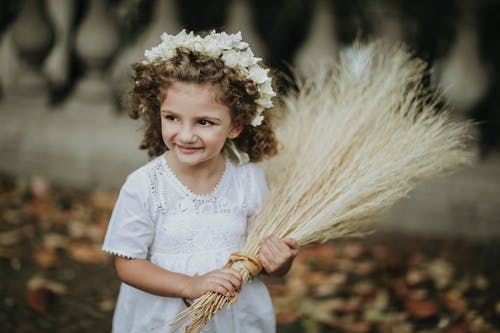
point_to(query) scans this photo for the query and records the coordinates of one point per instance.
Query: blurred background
(67, 144)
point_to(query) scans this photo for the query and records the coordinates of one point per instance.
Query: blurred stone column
(97, 40)
(33, 37)
(164, 19)
(58, 63)
(321, 43)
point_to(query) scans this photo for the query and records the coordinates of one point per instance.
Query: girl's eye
(169, 117)
(205, 122)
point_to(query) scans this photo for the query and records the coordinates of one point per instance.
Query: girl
(178, 218)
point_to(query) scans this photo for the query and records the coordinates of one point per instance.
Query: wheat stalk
(357, 137)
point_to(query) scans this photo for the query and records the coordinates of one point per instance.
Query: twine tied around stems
(250, 262)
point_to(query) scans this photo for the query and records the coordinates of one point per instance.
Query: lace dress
(157, 218)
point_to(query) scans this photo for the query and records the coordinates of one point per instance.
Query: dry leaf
(441, 272)
(45, 258)
(55, 241)
(107, 304)
(40, 188)
(453, 299)
(481, 282)
(104, 200)
(11, 237)
(353, 251)
(87, 253)
(416, 276)
(421, 309)
(288, 317)
(320, 312)
(39, 299)
(356, 327)
(39, 282)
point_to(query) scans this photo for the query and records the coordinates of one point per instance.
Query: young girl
(178, 218)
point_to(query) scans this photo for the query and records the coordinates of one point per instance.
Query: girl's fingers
(263, 260)
(223, 286)
(291, 243)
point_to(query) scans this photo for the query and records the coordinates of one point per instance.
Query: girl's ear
(235, 131)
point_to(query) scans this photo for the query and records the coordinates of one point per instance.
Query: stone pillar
(32, 37)
(321, 42)
(239, 19)
(164, 20)
(97, 40)
(57, 65)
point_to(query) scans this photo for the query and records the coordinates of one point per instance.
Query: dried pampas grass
(357, 137)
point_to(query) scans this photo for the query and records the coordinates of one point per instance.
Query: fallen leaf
(318, 311)
(45, 258)
(102, 199)
(363, 288)
(356, 327)
(288, 317)
(458, 328)
(55, 241)
(40, 188)
(11, 237)
(416, 276)
(353, 250)
(481, 282)
(39, 282)
(8, 254)
(454, 301)
(441, 272)
(87, 253)
(421, 309)
(107, 305)
(39, 299)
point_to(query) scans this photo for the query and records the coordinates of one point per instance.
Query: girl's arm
(277, 255)
(146, 276)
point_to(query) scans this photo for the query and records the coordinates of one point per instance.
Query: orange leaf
(421, 309)
(87, 253)
(46, 258)
(39, 299)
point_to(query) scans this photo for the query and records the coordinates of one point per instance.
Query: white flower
(258, 74)
(231, 49)
(231, 58)
(257, 120)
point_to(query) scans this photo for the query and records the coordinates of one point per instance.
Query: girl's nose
(186, 134)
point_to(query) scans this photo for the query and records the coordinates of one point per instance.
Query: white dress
(157, 218)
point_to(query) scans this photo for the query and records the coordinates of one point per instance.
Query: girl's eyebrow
(202, 116)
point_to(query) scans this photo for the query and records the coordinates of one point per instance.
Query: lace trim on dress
(118, 254)
(216, 192)
(171, 196)
(156, 178)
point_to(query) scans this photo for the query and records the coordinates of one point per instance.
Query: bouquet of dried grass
(356, 138)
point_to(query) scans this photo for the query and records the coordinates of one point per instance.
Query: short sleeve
(131, 228)
(258, 190)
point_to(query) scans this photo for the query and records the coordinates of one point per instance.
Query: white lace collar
(185, 191)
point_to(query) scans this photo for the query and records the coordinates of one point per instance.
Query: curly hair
(237, 93)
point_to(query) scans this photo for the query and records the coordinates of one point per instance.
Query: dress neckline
(186, 191)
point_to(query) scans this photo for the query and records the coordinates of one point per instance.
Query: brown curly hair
(237, 93)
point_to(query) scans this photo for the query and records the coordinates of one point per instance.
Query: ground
(54, 278)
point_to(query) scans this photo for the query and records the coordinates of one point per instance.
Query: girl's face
(194, 125)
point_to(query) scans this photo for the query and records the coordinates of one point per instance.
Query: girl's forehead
(182, 96)
(208, 90)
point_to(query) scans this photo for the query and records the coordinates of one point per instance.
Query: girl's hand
(225, 281)
(277, 255)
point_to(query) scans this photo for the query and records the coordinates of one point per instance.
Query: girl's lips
(187, 150)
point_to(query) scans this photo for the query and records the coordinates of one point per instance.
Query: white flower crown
(231, 49)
